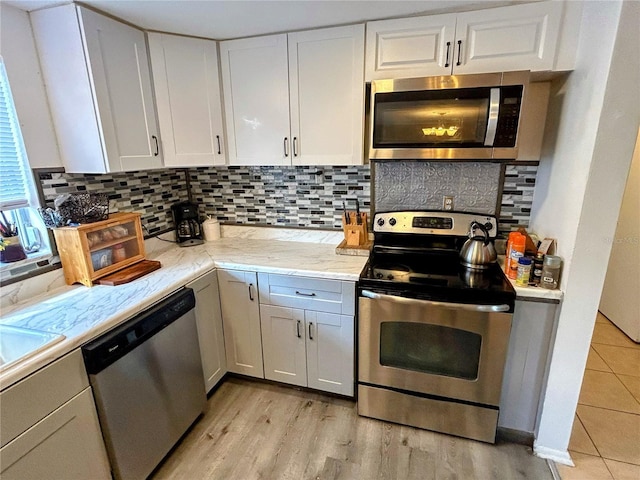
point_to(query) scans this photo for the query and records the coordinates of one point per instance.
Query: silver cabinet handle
(414, 301)
(310, 327)
(305, 294)
(298, 328)
(295, 143)
(250, 292)
(459, 52)
(286, 148)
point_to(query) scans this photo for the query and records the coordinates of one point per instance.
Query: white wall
(596, 113)
(18, 50)
(620, 301)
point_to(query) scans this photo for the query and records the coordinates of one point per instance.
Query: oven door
(456, 351)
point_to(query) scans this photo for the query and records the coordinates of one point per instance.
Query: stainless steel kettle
(478, 252)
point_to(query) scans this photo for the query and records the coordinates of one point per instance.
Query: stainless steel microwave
(447, 117)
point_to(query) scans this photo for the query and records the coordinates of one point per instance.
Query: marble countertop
(81, 314)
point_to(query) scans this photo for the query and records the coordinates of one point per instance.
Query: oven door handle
(414, 301)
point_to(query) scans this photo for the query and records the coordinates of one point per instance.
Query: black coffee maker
(188, 230)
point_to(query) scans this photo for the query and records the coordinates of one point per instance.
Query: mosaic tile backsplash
(150, 193)
(287, 196)
(308, 196)
(517, 197)
(422, 186)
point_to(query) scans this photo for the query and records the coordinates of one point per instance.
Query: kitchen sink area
(18, 344)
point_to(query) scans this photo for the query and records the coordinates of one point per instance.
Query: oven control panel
(432, 223)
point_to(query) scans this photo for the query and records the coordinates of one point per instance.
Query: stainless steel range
(433, 335)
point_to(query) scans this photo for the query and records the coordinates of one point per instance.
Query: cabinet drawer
(332, 296)
(28, 401)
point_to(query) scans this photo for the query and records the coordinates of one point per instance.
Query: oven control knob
(380, 222)
(392, 221)
(488, 226)
(389, 277)
(379, 275)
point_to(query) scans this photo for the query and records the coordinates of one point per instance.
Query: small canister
(536, 275)
(211, 228)
(524, 271)
(550, 272)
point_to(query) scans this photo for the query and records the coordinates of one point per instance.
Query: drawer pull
(305, 294)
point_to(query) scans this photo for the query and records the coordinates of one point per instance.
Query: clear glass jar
(550, 272)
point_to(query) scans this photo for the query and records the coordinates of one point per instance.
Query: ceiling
(224, 19)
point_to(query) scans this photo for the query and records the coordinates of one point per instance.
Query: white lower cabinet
(241, 322)
(307, 348)
(50, 426)
(210, 333)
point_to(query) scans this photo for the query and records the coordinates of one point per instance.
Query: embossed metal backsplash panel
(280, 196)
(422, 186)
(150, 193)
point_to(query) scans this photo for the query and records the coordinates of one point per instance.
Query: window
(17, 190)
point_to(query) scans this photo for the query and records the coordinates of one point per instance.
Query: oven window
(433, 349)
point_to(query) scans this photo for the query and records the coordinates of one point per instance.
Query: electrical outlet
(447, 202)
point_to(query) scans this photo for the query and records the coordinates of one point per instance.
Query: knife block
(355, 234)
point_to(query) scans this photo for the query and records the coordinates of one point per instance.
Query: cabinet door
(210, 333)
(283, 344)
(119, 67)
(241, 322)
(327, 96)
(330, 347)
(65, 444)
(520, 37)
(187, 87)
(410, 47)
(256, 100)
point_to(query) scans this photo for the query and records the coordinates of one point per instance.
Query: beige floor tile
(595, 362)
(616, 435)
(623, 471)
(580, 441)
(587, 467)
(609, 334)
(600, 318)
(604, 390)
(632, 383)
(620, 359)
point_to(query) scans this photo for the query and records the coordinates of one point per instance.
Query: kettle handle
(482, 228)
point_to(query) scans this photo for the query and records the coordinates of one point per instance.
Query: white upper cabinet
(98, 82)
(295, 99)
(519, 37)
(327, 96)
(410, 47)
(187, 86)
(256, 98)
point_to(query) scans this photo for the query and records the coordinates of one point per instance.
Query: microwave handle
(494, 110)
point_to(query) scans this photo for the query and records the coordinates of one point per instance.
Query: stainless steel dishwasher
(147, 381)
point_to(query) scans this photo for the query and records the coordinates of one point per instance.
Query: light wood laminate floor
(256, 430)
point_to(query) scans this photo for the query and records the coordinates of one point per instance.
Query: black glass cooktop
(434, 275)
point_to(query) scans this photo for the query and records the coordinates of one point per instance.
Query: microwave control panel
(508, 116)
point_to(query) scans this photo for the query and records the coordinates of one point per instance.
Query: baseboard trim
(553, 468)
(560, 456)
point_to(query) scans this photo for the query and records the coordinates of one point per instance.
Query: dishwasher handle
(98, 354)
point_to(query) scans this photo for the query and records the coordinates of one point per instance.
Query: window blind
(14, 169)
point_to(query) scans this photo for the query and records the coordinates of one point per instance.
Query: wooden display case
(94, 250)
